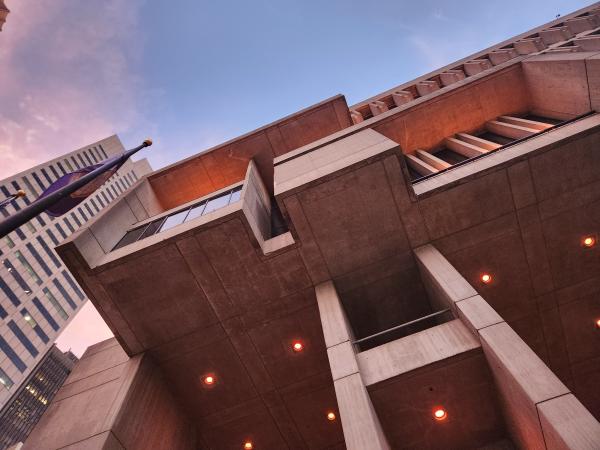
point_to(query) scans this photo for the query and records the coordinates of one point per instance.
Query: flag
(69, 202)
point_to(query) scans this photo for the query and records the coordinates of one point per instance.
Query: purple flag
(70, 202)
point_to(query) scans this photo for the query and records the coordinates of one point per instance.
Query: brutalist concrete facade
(433, 281)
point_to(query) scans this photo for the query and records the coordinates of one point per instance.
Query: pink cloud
(69, 77)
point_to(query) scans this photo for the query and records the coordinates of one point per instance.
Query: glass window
(5, 380)
(82, 161)
(87, 158)
(93, 155)
(105, 197)
(52, 299)
(89, 210)
(61, 231)
(152, 228)
(75, 219)
(46, 176)
(173, 220)
(18, 278)
(7, 194)
(60, 166)
(94, 205)
(217, 203)
(54, 172)
(110, 194)
(69, 166)
(82, 214)
(73, 284)
(52, 237)
(196, 211)
(26, 197)
(76, 163)
(38, 181)
(64, 293)
(103, 152)
(123, 184)
(7, 349)
(44, 312)
(22, 338)
(28, 267)
(68, 224)
(30, 227)
(100, 201)
(130, 236)
(48, 251)
(33, 324)
(235, 195)
(9, 241)
(39, 259)
(10, 294)
(115, 191)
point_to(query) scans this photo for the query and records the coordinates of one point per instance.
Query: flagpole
(14, 221)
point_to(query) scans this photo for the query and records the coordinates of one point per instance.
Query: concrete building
(434, 285)
(24, 410)
(38, 295)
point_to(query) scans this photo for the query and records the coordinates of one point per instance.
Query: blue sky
(192, 74)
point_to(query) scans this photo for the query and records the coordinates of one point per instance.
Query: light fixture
(248, 445)
(209, 380)
(598, 323)
(440, 414)
(486, 278)
(298, 346)
(27, 317)
(331, 416)
(588, 241)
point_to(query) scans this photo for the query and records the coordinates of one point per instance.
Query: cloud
(69, 77)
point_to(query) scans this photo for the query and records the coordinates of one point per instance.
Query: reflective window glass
(52, 299)
(235, 195)
(28, 267)
(5, 380)
(130, 236)
(173, 220)
(152, 228)
(196, 211)
(217, 203)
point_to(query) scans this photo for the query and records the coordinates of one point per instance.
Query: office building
(24, 410)
(420, 270)
(38, 295)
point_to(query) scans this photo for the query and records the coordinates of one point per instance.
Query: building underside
(420, 270)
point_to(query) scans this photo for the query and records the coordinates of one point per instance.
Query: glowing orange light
(440, 414)
(298, 347)
(486, 278)
(598, 324)
(331, 416)
(589, 241)
(248, 445)
(209, 379)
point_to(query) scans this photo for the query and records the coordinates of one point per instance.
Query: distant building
(23, 411)
(38, 295)
(435, 283)
(3, 13)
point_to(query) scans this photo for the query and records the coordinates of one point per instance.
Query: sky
(194, 73)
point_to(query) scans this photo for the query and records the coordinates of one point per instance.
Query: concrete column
(360, 423)
(113, 402)
(540, 411)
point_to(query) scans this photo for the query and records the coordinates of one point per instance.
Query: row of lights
(297, 346)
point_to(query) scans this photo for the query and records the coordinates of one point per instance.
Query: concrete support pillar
(540, 411)
(360, 423)
(113, 402)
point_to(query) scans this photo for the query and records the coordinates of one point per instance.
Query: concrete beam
(477, 66)
(420, 166)
(377, 107)
(402, 97)
(533, 124)
(452, 76)
(530, 45)
(356, 117)
(555, 34)
(427, 87)
(432, 160)
(362, 428)
(502, 55)
(580, 24)
(509, 130)
(478, 142)
(464, 148)
(589, 43)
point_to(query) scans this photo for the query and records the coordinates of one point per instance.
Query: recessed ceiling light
(588, 241)
(209, 380)
(331, 416)
(598, 324)
(486, 278)
(440, 414)
(248, 445)
(298, 346)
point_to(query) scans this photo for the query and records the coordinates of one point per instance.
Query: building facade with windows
(22, 413)
(38, 295)
(420, 270)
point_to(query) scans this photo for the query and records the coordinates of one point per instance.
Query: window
(28, 267)
(69, 166)
(75, 219)
(173, 220)
(38, 181)
(89, 210)
(60, 166)
(105, 197)
(100, 201)
(54, 172)
(110, 194)
(114, 190)
(17, 187)
(46, 176)
(82, 214)
(87, 158)
(10, 294)
(44, 312)
(48, 251)
(32, 191)
(75, 162)
(130, 237)
(5, 380)
(68, 224)
(52, 237)
(30, 227)
(236, 195)
(64, 293)
(73, 284)
(52, 299)
(28, 318)
(7, 349)
(216, 203)
(103, 152)
(18, 278)
(196, 211)
(94, 205)
(22, 338)
(61, 231)
(93, 155)
(82, 161)
(9, 241)
(38, 258)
